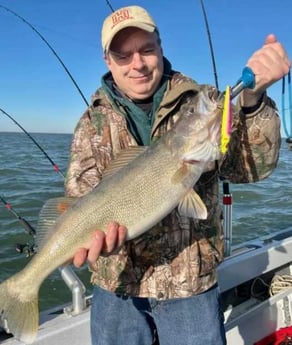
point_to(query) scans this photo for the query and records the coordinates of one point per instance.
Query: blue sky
(36, 91)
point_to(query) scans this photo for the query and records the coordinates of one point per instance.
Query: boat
(256, 288)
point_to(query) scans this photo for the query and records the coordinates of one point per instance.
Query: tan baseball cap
(125, 17)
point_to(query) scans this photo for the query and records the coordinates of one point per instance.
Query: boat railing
(78, 291)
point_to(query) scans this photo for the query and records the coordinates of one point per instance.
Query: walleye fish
(138, 196)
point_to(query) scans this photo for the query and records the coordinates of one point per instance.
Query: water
(27, 180)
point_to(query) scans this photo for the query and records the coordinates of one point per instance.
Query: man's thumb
(270, 39)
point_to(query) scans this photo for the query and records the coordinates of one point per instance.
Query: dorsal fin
(49, 213)
(123, 158)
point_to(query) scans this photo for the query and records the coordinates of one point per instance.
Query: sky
(37, 92)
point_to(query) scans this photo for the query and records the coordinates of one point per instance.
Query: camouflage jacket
(177, 257)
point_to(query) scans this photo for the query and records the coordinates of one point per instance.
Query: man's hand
(269, 64)
(102, 244)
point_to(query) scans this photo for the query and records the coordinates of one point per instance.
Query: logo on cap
(120, 16)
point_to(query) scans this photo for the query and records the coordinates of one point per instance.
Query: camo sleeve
(84, 169)
(254, 146)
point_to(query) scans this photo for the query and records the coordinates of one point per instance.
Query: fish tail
(19, 313)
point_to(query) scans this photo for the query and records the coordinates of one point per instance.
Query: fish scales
(137, 197)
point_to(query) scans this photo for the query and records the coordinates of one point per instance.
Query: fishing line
(51, 48)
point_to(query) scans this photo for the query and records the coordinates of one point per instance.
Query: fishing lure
(247, 80)
(226, 120)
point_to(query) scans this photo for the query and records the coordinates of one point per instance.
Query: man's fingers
(96, 246)
(111, 238)
(102, 243)
(80, 257)
(115, 237)
(122, 235)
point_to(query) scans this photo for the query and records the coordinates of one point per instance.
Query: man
(162, 285)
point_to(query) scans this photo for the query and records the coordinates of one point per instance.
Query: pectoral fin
(192, 206)
(180, 174)
(48, 216)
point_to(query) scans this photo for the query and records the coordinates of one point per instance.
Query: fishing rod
(210, 44)
(55, 166)
(31, 231)
(51, 49)
(284, 108)
(28, 227)
(227, 196)
(288, 135)
(8, 206)
(110, 6)
(28, 248)
(290, 100)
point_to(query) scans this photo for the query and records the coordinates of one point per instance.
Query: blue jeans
(121, 320)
